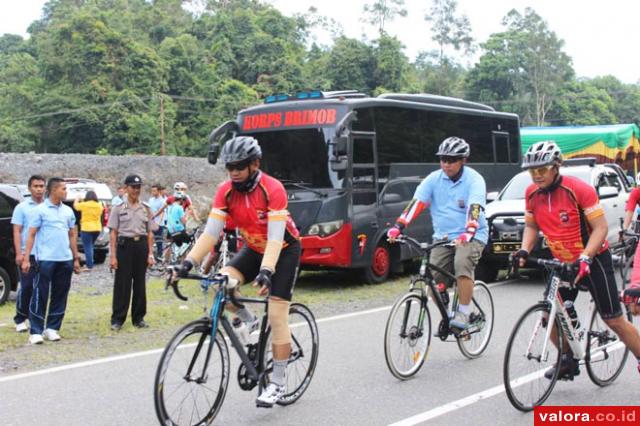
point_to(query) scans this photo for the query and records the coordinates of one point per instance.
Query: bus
(351, 163)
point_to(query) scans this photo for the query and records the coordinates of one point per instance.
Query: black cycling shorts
(179, 238)
(248, 262)
(602, 286)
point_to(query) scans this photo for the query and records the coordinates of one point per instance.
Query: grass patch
(86, 328)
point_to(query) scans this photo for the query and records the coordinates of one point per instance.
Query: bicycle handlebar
(217, 278)
(425, 247)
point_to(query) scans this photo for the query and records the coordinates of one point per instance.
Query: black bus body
(351, 163)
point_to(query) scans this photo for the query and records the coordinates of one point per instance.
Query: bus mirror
(339, 164)
(216, 134)
(214, 149)
(340, 146)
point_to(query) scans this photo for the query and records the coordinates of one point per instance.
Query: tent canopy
(610, 141)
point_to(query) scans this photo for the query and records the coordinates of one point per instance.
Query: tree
(626, 98)
(581, 103)
(523, 67)
(379, 12)
(351, 65)
(390, 63)
(448, 28)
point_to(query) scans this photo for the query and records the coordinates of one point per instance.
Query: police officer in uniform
(131, 252)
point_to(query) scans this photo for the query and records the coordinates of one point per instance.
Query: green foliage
(524, 66)
(112, 76)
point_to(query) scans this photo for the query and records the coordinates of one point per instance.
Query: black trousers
(132, 268)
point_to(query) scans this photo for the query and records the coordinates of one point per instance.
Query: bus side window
(501, 147)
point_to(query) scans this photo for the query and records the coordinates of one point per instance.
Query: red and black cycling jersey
(561, 213)
(252, 211)
(634, 200)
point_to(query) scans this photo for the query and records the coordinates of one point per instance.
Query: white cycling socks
(465, 309)
(279, 371)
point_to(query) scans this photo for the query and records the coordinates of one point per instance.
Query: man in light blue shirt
(119, 198)
(53, 229)
(156, 202)
(22, 215)
(456, 195)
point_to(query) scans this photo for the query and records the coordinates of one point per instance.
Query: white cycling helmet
(180, 186)
(540, 154)
(453, 147)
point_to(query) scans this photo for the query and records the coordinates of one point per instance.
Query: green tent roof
(578, 139)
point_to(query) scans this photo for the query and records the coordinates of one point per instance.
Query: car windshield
(517, 186)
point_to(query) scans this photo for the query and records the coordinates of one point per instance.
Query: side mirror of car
(607, 191)
(391, 198)
(492, 196)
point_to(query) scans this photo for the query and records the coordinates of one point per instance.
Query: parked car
(505, 215)
(9, 198)
(79, 187)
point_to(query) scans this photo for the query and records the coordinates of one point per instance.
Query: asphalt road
(352, 385)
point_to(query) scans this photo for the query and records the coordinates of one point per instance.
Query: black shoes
(116, 326)
(141, 324)
(569, 368)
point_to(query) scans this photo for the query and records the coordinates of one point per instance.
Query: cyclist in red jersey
(568, 212)
(257, 203)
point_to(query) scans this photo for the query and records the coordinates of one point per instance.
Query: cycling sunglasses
(540, 171)
(239, 166)
(450, 160)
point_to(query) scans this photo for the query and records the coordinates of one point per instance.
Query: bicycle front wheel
(607, 352)
(526, 359)
(185, 392)
(473, 341)
(407, 336)
(304, 353)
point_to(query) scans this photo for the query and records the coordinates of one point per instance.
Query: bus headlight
(325, 228)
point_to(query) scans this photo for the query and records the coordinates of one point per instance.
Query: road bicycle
(530, 353)
(173, 253)
(407, 336)
(193, 373)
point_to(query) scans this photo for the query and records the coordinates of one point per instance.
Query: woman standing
(90, 224)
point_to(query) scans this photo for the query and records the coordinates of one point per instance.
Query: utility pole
(162, 143)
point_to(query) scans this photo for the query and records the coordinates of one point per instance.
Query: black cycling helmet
(540, 154)
(453, 147)
(240, 148)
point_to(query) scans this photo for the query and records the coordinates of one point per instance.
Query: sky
(599, 36)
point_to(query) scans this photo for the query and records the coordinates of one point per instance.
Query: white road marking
(471, 399)
(157, 351)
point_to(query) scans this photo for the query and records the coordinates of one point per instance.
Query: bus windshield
(299, 156)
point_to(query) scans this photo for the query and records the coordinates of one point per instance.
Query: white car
(505, 214)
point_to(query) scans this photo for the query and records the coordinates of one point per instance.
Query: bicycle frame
(579, 345)
(426, 277)
(217, 317)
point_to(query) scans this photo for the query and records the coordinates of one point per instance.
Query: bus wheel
(378, 271)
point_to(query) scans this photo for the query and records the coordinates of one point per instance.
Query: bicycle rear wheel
(304, 353)
(407, 336)
(473, 341)
(185, 393)
(608, 353)
(525, 363)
